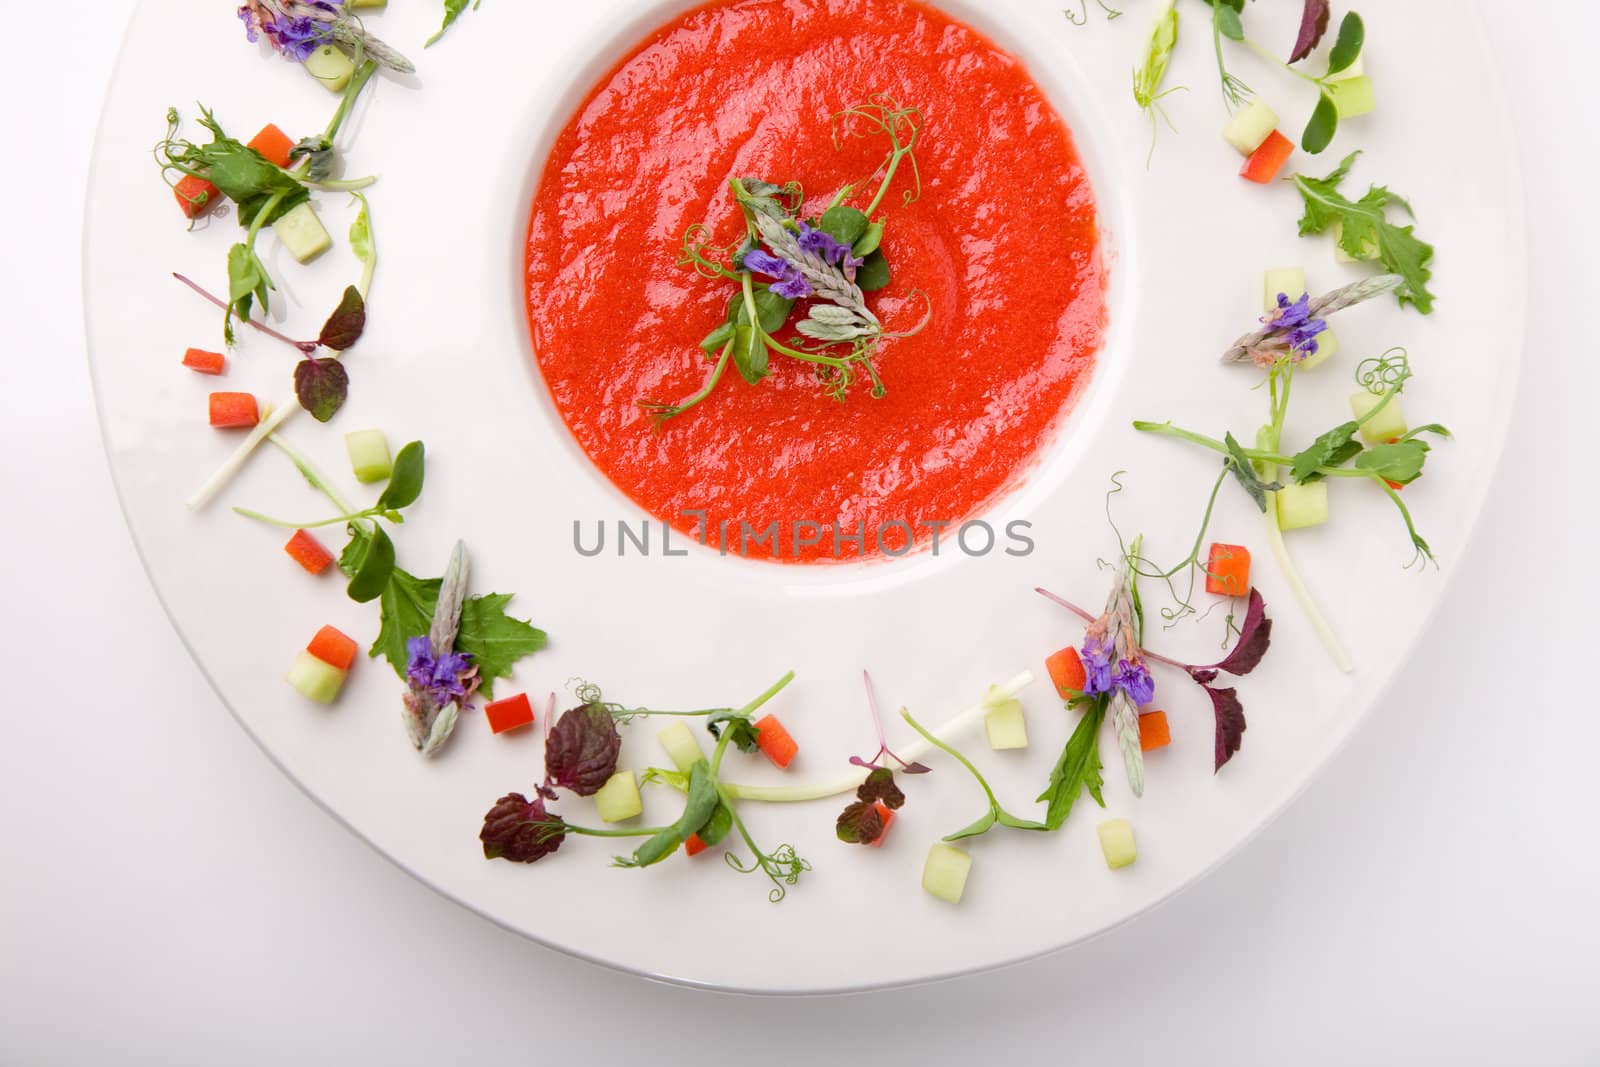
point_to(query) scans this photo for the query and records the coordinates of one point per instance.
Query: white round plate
(448, 360)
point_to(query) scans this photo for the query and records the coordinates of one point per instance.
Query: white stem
(217, 482)
(789, 794)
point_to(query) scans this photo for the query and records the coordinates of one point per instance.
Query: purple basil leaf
(859, 824)
(1230, 722)
(321, 386)
(520, 830)
(1255, 637)
(880, 786)
(348, 321)
(581, 752)
(1313, 24)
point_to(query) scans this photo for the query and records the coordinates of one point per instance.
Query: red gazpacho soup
(1000, 249)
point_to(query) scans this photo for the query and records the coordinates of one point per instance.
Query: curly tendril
(1387, 373)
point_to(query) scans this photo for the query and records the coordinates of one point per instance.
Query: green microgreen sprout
(1226, 22)
(1324, 122)
(996, 815)
(1335, 454)
(1081, 17)
(262, 192)
(1149, 74)
(832, 260)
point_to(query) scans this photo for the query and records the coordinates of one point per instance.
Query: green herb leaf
(750, 354)
(347, 323)
(1347, 47)
(742, 732)
(718, 339)
(452, 11)
(976, 829)
(844, 224)
(247, 283)
(716, 827)
(407, 603)
(870, 241)
(1229, 23)
(1245, 471)
(1323, 125)
(405, 481)
(873, 275)
(1399, 462)
(1333, 449)
(320, 155)
(1364, 224)
(495, 640)
(321, 386)
(361, 244)
(372, 575)
(1078, 769)
(772, 311)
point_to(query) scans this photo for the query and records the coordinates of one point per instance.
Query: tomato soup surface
(1002, 240)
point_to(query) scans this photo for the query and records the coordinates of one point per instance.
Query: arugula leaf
(1313, 24)
(452, 11)
(1078, 769)
(1333, 449)
(495, 640)
(1363, 224)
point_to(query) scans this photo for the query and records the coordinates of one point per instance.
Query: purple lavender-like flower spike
(1096, 656)
(821, 243)
(1135, 680)
(442, 679)
(788, 282)
(1294, 316)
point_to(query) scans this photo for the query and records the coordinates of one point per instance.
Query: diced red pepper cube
(195, 196)
(308, 552)
(203, 362)
(1228, 570)
(888, 818)
(509, 714)
(1268, 160)
(1154, 731)
(334, 648)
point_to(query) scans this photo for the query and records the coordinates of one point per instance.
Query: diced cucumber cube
(1327, 348)
(1354, 96)
(369, 455)
(1290, 281)
(1302, 506)
(945, 873)
(1250, 128)
(302, 234)
(315, 680)
(1006, 726)
(1116, 841)
(331, 67)
(1354, 70)
(681, 746)
(619, 798)
(1369, 247)
(1386, 425)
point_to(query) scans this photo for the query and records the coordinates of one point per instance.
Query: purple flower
(1096, 658)
(789, 283)
(252, 27)
(1134, 679)
(446, 679)
(293, 36)
(1295, 318)
(822, 244)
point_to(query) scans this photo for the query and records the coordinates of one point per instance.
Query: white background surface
(168, 897)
